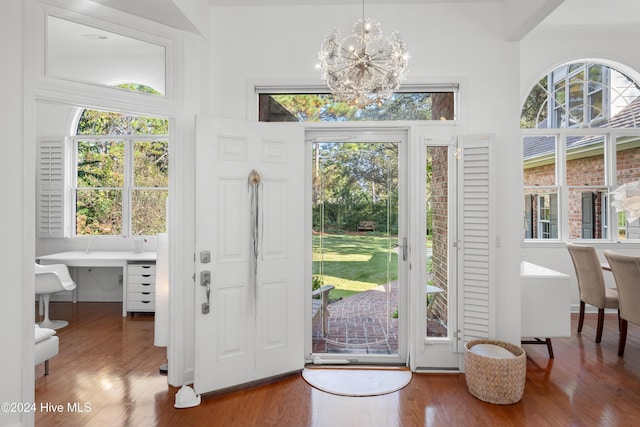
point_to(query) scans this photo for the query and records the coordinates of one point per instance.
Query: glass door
(433, 292)
(359, 249)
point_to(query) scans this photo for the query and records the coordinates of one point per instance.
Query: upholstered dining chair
(626, 272)
(51, 279)
(591, 285)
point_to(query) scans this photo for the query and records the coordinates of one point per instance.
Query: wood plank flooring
(109, 363)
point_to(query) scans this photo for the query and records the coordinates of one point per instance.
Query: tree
(534, 110)
(316, 107)
(101, 174)
(355, 182)
(400, 106)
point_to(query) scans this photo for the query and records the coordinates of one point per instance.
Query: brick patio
(362, 324)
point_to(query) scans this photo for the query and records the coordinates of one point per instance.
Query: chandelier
(363, 68)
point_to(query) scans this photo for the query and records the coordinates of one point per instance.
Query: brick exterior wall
(440, 215)
(541, 175)
(588, 172)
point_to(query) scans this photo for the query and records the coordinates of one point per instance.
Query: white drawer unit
(141, 287)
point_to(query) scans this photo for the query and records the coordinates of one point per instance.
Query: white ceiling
(569, 13)
(588, 13)
(162, 11)
(326, 2)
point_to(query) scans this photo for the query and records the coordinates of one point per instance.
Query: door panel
(358, 229)
(434, 284)
(253, 329)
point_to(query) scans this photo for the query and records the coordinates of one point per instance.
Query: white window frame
(565, 82)
(129, 179)
(610, 139)
(265, 87)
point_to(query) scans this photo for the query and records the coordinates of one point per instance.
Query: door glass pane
(355, 228)
(437, 263)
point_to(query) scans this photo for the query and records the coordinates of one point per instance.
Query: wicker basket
(493, 379)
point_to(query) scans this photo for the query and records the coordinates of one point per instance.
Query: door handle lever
(206, 307)
(403, 246)
(205, 280)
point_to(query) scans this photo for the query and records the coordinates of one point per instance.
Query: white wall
(458, 43)
(193, 94)
(545, 49)
(16, 248)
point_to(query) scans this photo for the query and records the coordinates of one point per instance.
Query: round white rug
(357, 382)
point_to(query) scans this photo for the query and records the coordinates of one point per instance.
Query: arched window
(581, 128)
(582, 95)
(120, 174)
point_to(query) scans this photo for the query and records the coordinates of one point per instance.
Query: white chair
(591, 285)
(626, 270)
(51, 279)
(46, 346)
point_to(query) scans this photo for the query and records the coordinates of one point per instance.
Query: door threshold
(361, 367)
(319, 362)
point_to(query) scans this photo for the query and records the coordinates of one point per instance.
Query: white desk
(101, 259)
(546, 311)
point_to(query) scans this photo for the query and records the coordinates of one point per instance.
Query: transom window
(90, 54)
(438, 104)
(581, 135)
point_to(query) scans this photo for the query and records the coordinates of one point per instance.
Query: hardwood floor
(109, 363)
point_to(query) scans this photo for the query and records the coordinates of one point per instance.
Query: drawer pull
(146, 275)
(145, 284)
(146, 293)
(145, 302)
(146, 266)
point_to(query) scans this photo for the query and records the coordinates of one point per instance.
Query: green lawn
(354, 263)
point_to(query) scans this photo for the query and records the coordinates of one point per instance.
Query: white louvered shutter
(51, 187)
(475, 231)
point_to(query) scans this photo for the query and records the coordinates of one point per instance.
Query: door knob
(403, 246)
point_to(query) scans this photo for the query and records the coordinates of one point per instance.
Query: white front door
(250, 242)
